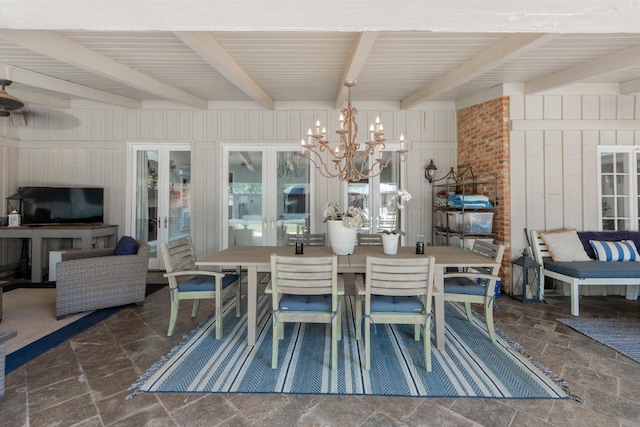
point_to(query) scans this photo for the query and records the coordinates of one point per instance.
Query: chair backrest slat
(491, 251)
(395, 276)
(178, 255)
(365, 239)
(319, 239)
(303, 275)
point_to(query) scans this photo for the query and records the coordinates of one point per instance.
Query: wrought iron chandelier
(346, 161)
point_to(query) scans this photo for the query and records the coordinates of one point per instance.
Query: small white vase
(390, 243)
(343, 239)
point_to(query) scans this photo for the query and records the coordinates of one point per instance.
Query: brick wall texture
(483, 143)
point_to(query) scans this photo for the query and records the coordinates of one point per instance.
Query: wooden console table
(86, 234)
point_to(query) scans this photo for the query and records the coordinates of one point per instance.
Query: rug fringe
(156, 366)
(561, 382)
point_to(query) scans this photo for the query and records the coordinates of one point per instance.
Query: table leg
(438, 308)
(36, 259)
(252, 303)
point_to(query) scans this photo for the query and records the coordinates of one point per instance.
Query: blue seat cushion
(396, 304)
(290, 302)
(463, 285)
(205, 283)
(596, 269)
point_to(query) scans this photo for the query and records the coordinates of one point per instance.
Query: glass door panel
(161, 205)
(292, 195)
(268, 195)
(146, 199)
(179, 195)
(245, 189)
(378, 195)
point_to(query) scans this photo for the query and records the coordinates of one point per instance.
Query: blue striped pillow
(623, 250)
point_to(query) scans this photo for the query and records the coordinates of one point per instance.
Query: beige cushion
(565, 245)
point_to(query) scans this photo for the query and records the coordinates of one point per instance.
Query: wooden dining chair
(476, 285)
(398, 291)
(305, 290)
(366, 239)
(319, 239)
(186, 282)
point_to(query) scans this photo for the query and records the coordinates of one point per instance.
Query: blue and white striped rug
(622, 335)
(471, 366)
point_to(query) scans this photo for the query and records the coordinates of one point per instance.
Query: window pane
(607, 185)
(606, 163)
(622, 185)
(608, 224)
(622, 160)
(622, 207)
(624, 224)
(607, 206)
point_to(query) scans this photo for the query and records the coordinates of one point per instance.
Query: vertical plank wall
(554, 142)
(88, 146)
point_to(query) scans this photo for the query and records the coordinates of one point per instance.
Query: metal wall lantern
(525, 278)
(14, 202)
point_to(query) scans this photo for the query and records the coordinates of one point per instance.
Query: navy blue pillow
(127, 245)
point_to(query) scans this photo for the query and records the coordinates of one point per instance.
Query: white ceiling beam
(30, 78)
(607, 64)
(362, 46)
(631, 87)
(62, 49)
(506, 49)
(567, 16)
(42, 99)
(208, 48)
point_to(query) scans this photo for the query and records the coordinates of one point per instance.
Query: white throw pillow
(565, 245)
(623, 250)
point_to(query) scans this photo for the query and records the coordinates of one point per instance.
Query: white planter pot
(390, 243)
(343, 239)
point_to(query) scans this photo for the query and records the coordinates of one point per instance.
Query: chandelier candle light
(349, 163)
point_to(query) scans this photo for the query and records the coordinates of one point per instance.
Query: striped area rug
(622, 335)
(471, 366)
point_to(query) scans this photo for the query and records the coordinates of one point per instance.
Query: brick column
(483, 142)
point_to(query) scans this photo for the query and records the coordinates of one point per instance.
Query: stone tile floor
(84, 381)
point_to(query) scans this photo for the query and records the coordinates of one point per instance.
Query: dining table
(257, 259)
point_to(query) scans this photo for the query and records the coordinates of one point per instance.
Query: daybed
(568, 256)
(98, 278)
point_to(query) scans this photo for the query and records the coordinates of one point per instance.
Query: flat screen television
(62, 205)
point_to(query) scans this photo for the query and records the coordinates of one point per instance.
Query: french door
(378, 198)
(160, 208)
(267, 194)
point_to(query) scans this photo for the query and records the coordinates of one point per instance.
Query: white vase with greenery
(342, 226)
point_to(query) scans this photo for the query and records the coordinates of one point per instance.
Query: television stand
(86, 234)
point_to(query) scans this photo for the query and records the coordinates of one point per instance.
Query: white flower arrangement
(403, 196)
(352, 218)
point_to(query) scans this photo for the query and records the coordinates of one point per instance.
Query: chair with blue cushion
(477, 285)
(186, 282)
(305, 290)
(398, 291)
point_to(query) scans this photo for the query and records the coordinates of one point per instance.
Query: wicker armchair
(95, 278)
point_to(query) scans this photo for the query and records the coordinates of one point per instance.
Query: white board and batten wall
(89, 146)
(554, 151)
(554, 140)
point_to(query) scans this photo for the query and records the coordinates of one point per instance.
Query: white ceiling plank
(362, 46)
(57, 85)
(64, 50)
(506, 49)
(205, 45)
(631, 87)
(606, 64)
